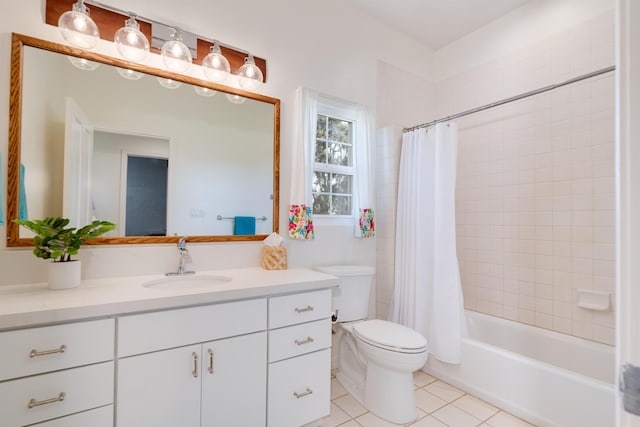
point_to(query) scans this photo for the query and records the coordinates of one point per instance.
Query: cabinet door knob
(34, 353)
(195, 365)
(33, 402)
(307, 341)
(210, 369)
(303, 309)
(307, 392)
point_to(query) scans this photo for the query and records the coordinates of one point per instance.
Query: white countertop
(35, 304)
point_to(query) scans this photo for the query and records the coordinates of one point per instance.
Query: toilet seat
(390, 336)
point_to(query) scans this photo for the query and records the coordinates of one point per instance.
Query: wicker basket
(274, 257)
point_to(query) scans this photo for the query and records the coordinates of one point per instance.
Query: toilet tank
(351, 297)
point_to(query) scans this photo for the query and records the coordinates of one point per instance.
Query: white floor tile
(427, 401)
(349, 405)
(452, 416)
(336, 389)
(476, 407)
(420, 379)
(370, 420)
(444, 391)
(351, 423)
(503, 419)
(337, 417)
(428, 421)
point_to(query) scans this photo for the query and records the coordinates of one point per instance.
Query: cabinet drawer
(100, 417)
(84, 388)
(299, 389)
(143, 333)
(299, 339)
(299, 308)
(33, 351)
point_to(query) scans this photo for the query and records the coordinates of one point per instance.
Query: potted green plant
(54, 240)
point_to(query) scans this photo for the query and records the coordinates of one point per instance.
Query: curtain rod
(513, 98)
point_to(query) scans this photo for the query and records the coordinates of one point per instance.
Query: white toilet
(376, 358)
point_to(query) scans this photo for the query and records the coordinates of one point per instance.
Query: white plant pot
(64, 275)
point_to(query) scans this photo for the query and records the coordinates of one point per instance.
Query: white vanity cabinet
(57, 371)
(195, 366)
(299, 358)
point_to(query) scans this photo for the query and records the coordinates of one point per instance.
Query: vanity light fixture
(204, 91)
(78, 28)
(169, 83)
(83, 64)
(175, 54)
(131, 43)
(235, 99)
(216, 67)
(129, 74)
(249, 75)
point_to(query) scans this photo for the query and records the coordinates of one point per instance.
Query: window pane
(321, 204)
(321, 131)
(340, 154)
(341, 183)
(341, 205)
(339, 130)
(320, 182)
(321, 151)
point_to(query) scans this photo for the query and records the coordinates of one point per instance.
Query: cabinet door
(160, 389)
(234, 381)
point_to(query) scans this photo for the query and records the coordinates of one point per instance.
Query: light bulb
(131, 43)
(83, 64)
(235, 99)
(129, 74)
(250, 76)
(204, 91)
(176, 55)
(169, 83)
(78, 28)
(216, 67)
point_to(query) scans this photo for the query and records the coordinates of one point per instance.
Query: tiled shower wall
(535, 195)
(535, 190)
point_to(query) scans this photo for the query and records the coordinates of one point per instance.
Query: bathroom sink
(187, 282)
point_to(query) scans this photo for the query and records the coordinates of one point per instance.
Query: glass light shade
(204, 91)
(169, 83)
(176, 55)
(131, 43)
(78, 28)
(83, 64)
(129, 74)
(250, 76)
(216, 67)
(235, 99)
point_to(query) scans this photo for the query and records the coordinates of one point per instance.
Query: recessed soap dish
(594, 300)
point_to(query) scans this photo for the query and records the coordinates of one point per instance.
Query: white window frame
(327, 107)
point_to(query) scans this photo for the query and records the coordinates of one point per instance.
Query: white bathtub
(547, 378)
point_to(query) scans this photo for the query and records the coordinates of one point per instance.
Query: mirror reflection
(157, 160)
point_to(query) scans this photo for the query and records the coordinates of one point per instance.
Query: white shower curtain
(427, 295)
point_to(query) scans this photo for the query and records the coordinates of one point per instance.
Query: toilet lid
(389, 335)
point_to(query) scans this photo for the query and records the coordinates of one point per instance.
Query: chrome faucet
(184, 257)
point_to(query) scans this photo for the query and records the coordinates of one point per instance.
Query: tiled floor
(439, 405)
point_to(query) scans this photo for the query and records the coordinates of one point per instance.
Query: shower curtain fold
(427, 294)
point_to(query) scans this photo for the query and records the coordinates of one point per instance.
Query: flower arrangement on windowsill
(54, 240)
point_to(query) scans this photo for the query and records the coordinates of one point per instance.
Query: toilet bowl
(376, 358)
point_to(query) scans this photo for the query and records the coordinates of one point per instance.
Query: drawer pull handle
(307, 392)
(59, 398)
(307, 341)
(195, 365)
(303, 309)
(210, 361)
(33, 353)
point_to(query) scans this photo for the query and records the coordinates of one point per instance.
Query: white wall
(326, 46)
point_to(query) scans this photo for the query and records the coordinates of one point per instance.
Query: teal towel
(244, 225)
(22, 210)
(1, 204)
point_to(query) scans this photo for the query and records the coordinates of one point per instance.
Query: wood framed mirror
(91, 145)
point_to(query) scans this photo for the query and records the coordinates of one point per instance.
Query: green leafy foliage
(54, 241)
